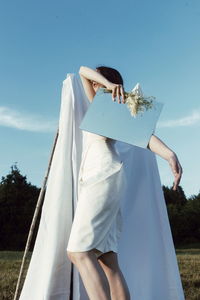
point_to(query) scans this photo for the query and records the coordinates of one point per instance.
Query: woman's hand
(117, 90)
(176, 169)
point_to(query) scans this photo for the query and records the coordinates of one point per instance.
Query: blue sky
(155, 43)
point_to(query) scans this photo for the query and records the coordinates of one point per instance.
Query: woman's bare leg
(118, 285)
(93, 276)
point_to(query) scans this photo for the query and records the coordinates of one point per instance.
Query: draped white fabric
(146, 251)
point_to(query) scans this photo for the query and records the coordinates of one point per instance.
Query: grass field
(189, 266)
(188, 260)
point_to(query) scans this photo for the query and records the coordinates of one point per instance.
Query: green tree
(174, 197)
(184, 216)
(192, 213)
(17, 204)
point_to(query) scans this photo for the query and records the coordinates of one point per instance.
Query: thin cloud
(192, 119)
(14, 119)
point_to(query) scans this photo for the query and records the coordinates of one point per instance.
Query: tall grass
(188, 261)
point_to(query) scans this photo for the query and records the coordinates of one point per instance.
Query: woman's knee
(77, 256)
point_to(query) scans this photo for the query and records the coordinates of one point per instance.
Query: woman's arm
(158, 147)
(89, 75)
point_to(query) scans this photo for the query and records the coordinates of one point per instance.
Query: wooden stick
(39, 202)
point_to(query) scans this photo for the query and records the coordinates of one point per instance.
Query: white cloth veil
(146, 251)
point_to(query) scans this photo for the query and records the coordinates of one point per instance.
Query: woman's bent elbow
(81, 69)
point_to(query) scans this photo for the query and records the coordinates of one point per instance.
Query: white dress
(97, 223)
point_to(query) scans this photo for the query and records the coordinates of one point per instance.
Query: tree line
(18, 200)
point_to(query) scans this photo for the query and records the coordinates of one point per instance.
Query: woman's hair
(111, 74)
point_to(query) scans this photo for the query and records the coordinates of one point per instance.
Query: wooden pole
(39, 202)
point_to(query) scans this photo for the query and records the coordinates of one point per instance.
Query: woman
(91, 245)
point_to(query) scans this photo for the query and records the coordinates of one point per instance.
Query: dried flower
(135, 101)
